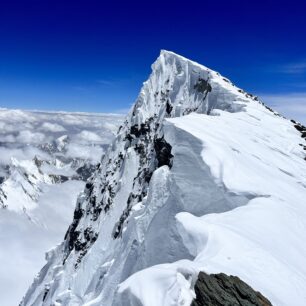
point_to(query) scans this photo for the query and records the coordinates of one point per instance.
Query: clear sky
(94, 55)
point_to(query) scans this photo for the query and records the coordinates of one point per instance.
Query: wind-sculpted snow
(255, 154)
(195, 158)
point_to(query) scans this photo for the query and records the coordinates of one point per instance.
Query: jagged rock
(163, 152)
(85, 171)
(203, 86)
(223, 290)
(57, 179)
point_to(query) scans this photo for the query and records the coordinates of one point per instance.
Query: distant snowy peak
(22, 180)
(25, 180)
(59, 145)
(139, 232)
(21, 189)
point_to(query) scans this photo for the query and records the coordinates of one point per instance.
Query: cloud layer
(294, 68)
(21, 133)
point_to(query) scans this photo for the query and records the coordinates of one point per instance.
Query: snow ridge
(128, 219)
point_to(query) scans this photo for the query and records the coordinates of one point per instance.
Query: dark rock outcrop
(203, 86)
(163, 152)
(301, 128)
(223, 290)
(85, 171)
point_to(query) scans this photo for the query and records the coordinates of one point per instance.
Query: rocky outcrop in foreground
(223, 290)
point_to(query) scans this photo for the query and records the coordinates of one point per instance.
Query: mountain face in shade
(201, 177)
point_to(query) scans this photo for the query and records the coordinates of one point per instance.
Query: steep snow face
(255, 154)
(44, 162)
(133, 240)
(178, 86)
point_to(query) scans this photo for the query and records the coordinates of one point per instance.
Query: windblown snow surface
(201, 177)
(41, 158)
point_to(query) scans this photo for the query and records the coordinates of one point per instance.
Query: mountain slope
(201, 177)
(42, 170)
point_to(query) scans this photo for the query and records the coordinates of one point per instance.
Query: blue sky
(94, 55)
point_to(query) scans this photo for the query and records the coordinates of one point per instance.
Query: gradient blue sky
(94, 55)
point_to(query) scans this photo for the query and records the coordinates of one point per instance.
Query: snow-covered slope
(44, 162)
(201, 177)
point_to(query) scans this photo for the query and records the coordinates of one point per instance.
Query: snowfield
(260, 242)
(26, 237)
(201, 177)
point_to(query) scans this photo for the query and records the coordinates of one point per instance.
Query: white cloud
(21, 132)
(52, 127)
(292, 106)
(30, 137)
(7, 138)
(93, 153)
(27, 152)
(294, 68)
(87, 136)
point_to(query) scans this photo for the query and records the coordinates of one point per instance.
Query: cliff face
(193, 145)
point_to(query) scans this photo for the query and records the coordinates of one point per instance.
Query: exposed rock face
(302, 129)
(223, 290)
(163, 152)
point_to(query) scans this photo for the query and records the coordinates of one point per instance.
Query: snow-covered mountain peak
(166, 54)
(61, 142)
(178, 86)
(140, 233)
